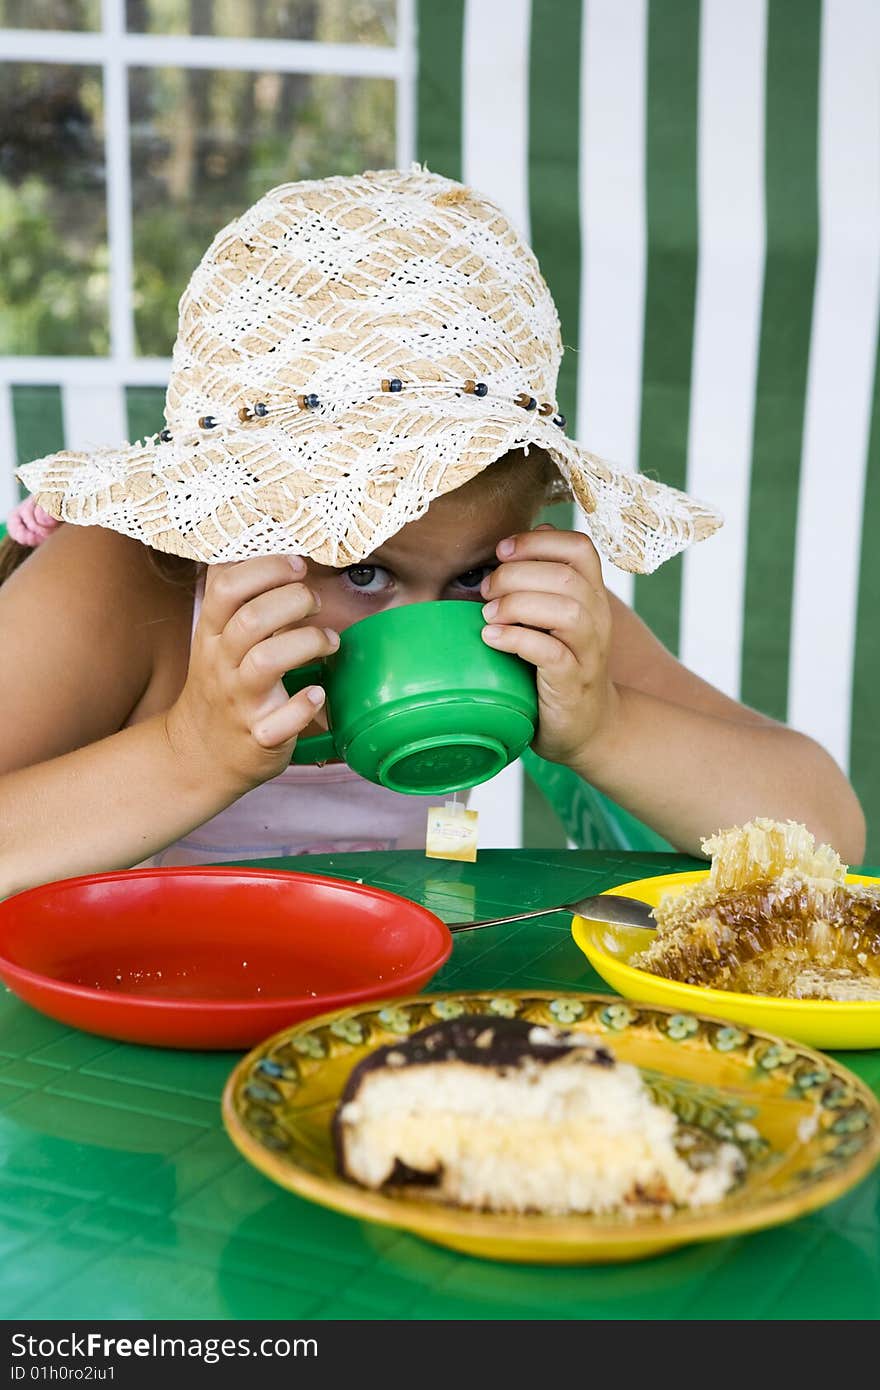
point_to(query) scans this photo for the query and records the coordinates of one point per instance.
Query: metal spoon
(603, 907)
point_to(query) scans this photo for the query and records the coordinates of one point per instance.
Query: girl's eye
(472, 579)
(370, 579)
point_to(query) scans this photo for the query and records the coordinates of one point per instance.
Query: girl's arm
(106, 806)
(622, 712)
(95, 639)
(688, 760)
(90, 633)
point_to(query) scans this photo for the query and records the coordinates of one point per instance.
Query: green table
(122, 1198)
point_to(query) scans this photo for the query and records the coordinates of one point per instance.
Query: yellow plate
(819, 1022)
(809, 1128)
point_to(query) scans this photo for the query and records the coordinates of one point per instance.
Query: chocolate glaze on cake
(480, 1040)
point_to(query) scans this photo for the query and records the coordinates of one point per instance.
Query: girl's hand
(233, 708)
(548, 604)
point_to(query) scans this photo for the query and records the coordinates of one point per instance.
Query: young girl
(361, 414)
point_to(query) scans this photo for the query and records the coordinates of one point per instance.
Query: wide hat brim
(335, 486)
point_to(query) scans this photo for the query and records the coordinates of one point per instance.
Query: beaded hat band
(349, 349)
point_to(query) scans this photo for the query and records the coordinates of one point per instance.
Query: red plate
(211, 957)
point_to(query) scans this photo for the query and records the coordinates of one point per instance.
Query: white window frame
(115, 50)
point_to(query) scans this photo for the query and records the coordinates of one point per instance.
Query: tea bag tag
(452, 832)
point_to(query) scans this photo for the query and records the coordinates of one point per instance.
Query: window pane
(53, 221)
(50, 14)
(208, 144)
(332, 21)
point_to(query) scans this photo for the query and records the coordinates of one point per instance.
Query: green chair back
(591, 820)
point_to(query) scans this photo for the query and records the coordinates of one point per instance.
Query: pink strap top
(305, 810)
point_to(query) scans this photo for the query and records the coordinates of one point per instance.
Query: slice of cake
(775, 916)
(505, 1115)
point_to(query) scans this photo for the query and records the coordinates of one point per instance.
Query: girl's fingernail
(491, 634)
(490, 609)
(297, 564)
(506, 548)
(315, 695)
(332, 636)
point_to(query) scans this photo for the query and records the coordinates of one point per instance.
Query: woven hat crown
(330, 286)
(349, 349)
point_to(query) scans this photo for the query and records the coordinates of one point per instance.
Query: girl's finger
(283, 607)
(288, 721)
(559, 614)
(228, 586)
(548, 576)
(264, 664)
(539, 649)
(564, 547)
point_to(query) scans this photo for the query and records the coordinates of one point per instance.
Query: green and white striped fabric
(700, 184)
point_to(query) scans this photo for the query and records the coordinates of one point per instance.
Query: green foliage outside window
(204, 145)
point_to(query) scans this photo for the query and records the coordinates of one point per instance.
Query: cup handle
(317, 748)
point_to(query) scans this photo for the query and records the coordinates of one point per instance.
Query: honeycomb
(775, 916)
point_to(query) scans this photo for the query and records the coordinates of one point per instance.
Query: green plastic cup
(416, 700)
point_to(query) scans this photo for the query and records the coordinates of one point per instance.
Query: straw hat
(349, 349)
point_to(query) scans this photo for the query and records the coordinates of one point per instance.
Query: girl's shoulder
(639, 660)
(90, 621)
(114, 578)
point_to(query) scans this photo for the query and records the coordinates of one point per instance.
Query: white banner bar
(93, 415)
(69, 371)
(495, 104)
(612, 207)
(8, 455)
(730, 282)
(202, 51)
(840, 379)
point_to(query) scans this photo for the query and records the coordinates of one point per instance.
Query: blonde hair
(518, 471)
